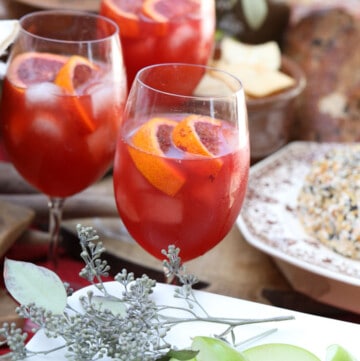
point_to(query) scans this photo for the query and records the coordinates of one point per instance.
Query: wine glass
(162, 31)
(62, 103)
(182, 158)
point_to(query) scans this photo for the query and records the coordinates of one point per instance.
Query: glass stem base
(55, 216)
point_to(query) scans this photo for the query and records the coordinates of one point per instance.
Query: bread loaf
(326, 45)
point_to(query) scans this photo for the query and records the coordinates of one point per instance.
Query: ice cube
(124, 203)
(180, 37)
(162, 209)
(99, 142)
(103, 96)
(42, 93)
(46, 124)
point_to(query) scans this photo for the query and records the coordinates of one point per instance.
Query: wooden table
(232, 268)
(12, 9)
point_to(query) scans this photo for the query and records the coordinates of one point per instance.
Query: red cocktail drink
(161, 31)
(182, 158)
(61, 142)
(167, 195)
(62, 104)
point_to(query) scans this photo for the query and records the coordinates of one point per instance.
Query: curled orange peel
(187, 138)
(65, 78)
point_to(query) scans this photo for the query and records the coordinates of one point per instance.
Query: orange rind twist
(75, 71)
(197, 134)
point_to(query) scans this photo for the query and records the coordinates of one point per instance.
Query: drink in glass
(182, 159)
(160, 31)
(62, 103)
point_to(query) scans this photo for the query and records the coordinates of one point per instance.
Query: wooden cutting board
(14, 220)
(7, 310)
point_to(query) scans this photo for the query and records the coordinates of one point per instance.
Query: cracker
(257, 66)
(267, 55)
(258, 82)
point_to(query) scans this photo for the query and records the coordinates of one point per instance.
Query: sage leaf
(255, 12)
(28, 283)
(179, 355)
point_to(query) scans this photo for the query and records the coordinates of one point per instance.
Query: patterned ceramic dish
(269, 222)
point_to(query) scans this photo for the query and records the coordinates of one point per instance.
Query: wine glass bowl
(182, 158)
(62, 103)
(162, 31)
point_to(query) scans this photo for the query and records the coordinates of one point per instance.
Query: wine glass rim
(76, 13)
(239, 87)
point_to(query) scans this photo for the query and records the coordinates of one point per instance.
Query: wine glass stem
(55, 211)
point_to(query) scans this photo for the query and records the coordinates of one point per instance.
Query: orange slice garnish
(200, 135)
(76, 71)
(150, 9)
(32, 68)
(125, 14)
(163, 10)
(151, 142)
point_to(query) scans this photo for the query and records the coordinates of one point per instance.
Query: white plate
(85, 5)
(311, 332)
(268, 221)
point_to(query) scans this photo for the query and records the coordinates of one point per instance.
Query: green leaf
(179, 355)
(28, 283)
(255, 12)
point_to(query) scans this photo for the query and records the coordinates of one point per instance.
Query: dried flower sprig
(131, 327)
